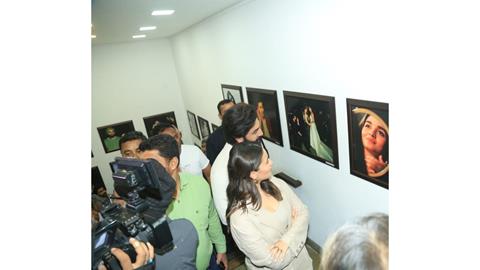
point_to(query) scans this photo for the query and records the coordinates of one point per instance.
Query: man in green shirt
(111, 141)
(192, 199)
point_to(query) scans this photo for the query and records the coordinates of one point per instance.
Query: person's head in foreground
(362, 245)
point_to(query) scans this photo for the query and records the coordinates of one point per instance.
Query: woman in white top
(268, 221)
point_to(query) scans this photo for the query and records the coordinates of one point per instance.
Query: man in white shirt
(192, 159)
(240, 123)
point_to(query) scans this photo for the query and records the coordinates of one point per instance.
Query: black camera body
(148, 190)
(106, 238)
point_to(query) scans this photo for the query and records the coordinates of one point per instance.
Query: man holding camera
(192, 199)
(184, 234)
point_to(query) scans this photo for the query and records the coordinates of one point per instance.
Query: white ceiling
(116, 21)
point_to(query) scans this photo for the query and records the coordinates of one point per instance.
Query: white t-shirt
(219, 182)
(192, 160)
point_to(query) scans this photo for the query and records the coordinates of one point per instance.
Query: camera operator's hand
(145, 254)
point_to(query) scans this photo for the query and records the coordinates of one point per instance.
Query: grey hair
(362, 245)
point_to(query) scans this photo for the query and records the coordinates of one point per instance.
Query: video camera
(148, 190)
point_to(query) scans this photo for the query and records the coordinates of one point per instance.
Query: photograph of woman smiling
(371, 149)
(268, 221)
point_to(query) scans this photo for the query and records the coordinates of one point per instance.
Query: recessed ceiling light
(94, 36)
(147, 28)
(163, 12)
(139, 36)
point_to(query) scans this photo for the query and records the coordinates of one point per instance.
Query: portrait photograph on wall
(214, 127)
(232, 92)
(265, 101)
(151, 121)
(368, 140)
(193, 124)
(312, 126)
(110, 134)
(204, 127)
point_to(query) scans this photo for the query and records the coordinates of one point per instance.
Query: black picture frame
(214, 127)
(272, 130)
(193, 124)
(232, 92)
(320, 143)
(368, 125)
(151, 121)
(111, 145)
(204, 127)
(111, 166)
(97, 181)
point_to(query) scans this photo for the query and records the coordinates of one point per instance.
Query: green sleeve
(215, 229)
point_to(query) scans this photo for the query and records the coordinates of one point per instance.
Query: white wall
(131, 81)
(333, 48)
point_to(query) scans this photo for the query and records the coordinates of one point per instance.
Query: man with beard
(112, 140)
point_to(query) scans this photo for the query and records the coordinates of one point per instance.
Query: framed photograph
(204, 127)
(232, 92)
(152, 121)
(111, 166)
(368, 137)
(193, 124)
(110, 134)
(267, 112)
(312, 126)
(98, 186)
(214, 127)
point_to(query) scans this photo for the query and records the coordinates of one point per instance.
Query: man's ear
(220, 116)
(239, 140)
(173, 163)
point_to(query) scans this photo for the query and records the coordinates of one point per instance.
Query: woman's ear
(254, 175)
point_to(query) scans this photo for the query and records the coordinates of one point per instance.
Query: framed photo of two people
(368, 139)
(312, 126)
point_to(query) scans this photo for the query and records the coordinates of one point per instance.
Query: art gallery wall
(334, 48)
(131, 81)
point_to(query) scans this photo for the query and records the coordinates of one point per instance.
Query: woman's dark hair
(238, 120)
(244, 158)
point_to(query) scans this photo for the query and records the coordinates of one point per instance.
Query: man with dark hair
(362, 245)
(216, 140)
(129, 144)
(111, 141)
(192, 199)
(129, 147)
(240, 123)
(192, 159)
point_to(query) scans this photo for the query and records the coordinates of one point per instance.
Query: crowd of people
(226, 201)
